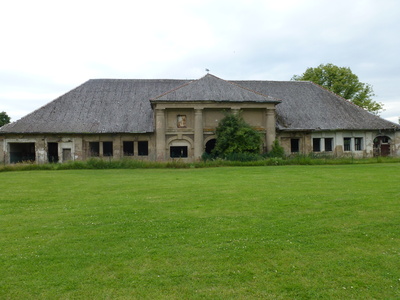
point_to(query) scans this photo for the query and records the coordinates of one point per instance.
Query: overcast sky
(49, 47)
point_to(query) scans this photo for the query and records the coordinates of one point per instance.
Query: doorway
(52, 152)
(210, 145)
(382, 146)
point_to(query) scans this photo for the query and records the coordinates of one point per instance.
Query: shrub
(234, 135)
(277, 150)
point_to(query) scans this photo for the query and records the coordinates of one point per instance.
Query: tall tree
(343, 82)
(4, 118)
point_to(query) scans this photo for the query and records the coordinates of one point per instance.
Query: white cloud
(49, 47)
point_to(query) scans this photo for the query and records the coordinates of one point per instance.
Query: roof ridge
(230, 83)
(174, 89)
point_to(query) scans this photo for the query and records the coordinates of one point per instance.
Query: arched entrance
(210, 145)
(382, 146)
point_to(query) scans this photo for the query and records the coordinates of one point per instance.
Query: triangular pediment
(212, 88)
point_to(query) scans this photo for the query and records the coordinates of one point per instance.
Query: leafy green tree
(4, 118)
(234, 135)
(343, 82)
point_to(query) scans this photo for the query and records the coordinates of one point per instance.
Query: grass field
(291, 232)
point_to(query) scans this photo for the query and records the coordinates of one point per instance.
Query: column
(270, 128)
(160, 134)
(198, 134)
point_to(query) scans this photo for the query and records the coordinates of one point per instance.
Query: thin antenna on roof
(207, 70)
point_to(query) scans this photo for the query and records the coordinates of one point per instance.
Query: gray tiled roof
(212, 88)
(308, 106)
(98, 106)
(123, 105)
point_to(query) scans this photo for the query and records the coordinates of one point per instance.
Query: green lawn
(291, 232)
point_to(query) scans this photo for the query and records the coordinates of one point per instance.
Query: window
(143, 148)
(294, 145)
(316, 144)
(328, 144)
(94, 148)
(22, 152)
(358, 143)
(181, 121)
(178, 151)
(107, 148)
(347, 144)
(128, 148)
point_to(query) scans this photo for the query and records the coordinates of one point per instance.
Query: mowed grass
(291, 232)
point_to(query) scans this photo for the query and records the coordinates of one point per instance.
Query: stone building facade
(161, 120)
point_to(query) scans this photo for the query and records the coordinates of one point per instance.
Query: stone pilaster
(270, 128)
(198, 134)
(160, 134)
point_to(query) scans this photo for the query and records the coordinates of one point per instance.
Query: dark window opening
(52, 152)
(178, 151)
(347, 144)
(210, 145)
(22, 152)
(316, 144)
(128, 148)
(294, 145)
(358, 144)
(108, 149)
(94, 148)
(328, 144)
(143, 148)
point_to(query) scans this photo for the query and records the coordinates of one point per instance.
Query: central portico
(186, 117)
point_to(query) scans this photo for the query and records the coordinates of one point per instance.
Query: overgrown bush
(277, 150)
(234, 135)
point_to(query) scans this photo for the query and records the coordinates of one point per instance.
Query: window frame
(108, 149)
(182, 149)
(358, 144)
(126, 150)
(328, 142)
(347, 144)
(91, 148)
(143, 148)
(316, 144)
(295, 145)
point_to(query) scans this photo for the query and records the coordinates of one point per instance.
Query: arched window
(210, 145)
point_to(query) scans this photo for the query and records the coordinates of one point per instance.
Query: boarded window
(316, 144)
(178, 151)
(66, 154)
(358, 144)
(294, 145)
(128, 148)
(107, 148)
(347, 144)
(143, 148)
(94, 149)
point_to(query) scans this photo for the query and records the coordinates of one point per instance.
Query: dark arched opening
(210, 145)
